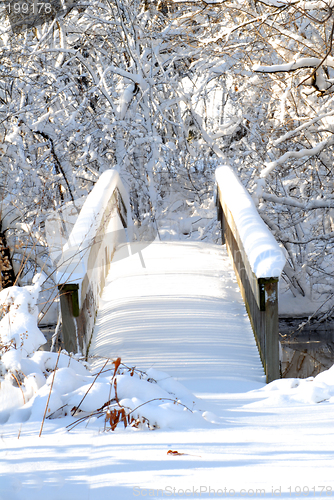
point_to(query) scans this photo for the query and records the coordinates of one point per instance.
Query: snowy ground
(234, 435)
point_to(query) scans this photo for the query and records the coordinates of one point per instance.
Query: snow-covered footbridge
(174, 306)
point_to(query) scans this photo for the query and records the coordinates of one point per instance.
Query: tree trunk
(7, 275)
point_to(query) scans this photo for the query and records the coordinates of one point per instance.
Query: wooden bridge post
(271, 330)
(69, 311)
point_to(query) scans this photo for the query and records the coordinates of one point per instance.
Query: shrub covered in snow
(19, 333)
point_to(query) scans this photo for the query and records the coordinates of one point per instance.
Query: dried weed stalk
(113, 412)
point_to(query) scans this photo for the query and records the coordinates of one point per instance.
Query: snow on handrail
(73, 263)
(87, 255)
(265, 256)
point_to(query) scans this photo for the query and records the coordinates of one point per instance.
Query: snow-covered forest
(164, 91)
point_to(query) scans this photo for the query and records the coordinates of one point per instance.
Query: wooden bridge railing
(86, 258)
(257, 261)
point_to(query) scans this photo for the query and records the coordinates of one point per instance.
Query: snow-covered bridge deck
(182, 313)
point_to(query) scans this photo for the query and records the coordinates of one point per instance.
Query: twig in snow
(47, 403)
(91, 385)
(20, 386)
(100, 413)
(55, 335)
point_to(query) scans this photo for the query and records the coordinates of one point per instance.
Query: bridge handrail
(257, 260)
(86, 258)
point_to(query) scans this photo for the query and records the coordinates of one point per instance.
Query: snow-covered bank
(282, 450)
